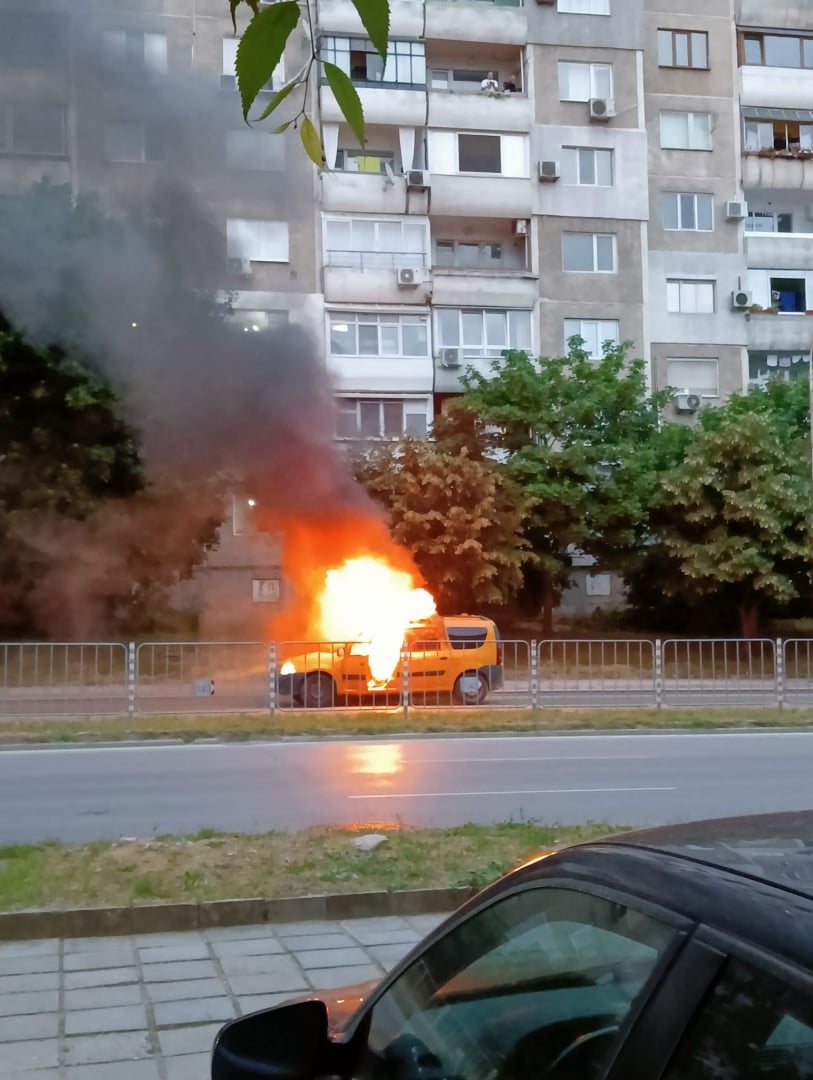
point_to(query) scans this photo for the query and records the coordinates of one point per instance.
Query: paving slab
(148, 1007)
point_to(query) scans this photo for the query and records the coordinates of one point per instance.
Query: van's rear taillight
(499, 652)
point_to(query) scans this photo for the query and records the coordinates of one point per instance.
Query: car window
(463, 637)
(535, 985)
(751, 1025)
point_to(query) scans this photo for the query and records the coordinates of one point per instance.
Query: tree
(734, 517)
(458, 514)
(579, 440)
(263, 43)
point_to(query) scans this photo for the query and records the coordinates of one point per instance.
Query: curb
(159, 918)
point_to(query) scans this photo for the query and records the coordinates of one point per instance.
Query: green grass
(276, 864)
(243, 726)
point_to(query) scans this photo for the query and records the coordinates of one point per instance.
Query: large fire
(367, 600)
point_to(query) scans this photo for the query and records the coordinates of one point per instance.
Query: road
(82, 794)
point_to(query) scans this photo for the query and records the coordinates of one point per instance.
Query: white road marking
(538, 791)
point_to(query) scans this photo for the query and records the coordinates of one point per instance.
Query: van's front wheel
(318, 690)
(465, 691)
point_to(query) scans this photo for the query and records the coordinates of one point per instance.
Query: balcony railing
(376, 260)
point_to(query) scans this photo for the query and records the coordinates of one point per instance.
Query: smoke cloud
(207, 398)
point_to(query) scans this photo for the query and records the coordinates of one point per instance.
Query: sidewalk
(148, 1007)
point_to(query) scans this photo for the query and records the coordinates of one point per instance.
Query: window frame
(228, 74)
(381, 402)
(595, 357)
(478, 135)
(259, 222)
(759, 36)
(267, 138)
(112, 60)
(578, 151)
(483, 351)
(701, 393)
(680, 283)
(497, 266)
(379, 319)
(383, 259)
(679, 196)
(8, 143)
(398, 50)
(595, 236)
(593, 67)
(690, 118)
(148, 140)
(578, 7)
(674, 33)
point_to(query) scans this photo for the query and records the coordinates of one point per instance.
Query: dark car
(683, 953)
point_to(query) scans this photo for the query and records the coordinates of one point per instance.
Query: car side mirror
(289, 1042)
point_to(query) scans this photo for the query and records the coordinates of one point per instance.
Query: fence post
(534, 672)
(272, 678)
(658, 673)
(779, 671)
(405, 680)
(131, 679)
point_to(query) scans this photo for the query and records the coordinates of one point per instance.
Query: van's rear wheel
(318, 690)
(465, 692)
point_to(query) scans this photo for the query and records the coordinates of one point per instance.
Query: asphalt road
(81, 794)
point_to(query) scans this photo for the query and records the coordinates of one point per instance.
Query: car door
(544, 982)
(429, 658)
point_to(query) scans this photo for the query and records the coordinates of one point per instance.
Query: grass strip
(210, 865)
(243, 726)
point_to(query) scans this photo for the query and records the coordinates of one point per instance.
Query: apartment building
(534, 169)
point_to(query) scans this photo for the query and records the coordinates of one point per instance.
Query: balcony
(500, 22)
(481, 196)
(457, 287)
(381, 375)
(780, 333)
(776, 87)
(373, 277)
(505, 112)
(382, 105)
(778, 170)
(785, 251)
(340, 16)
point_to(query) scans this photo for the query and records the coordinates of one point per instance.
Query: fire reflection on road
(380, 762)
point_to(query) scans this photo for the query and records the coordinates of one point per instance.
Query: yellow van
(452, 659)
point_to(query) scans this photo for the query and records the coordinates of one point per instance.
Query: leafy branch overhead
(263, 44)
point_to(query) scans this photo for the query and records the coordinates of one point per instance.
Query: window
(131, 52)
(247, 149)
(777, 50)
(689, 297)
(537, 975)
(480, 256)
(33, 38)
(683, 48)
(595, 334)
(265, 590)
(587, 167)
(357, 57)
(372, 244)
(483, 333)
(359, 334)
(696, 376)
(228, 78)
(32, 129)
(584, 7)
(751, 1025)
(479, 153)
(129, 141)
(255, 322)
(257, 241)
(593, 253)
(467, 80)
(685, 131)
(361, 419)
(581, 82)
(365, 161)
(687, 211)
(777, 134)
(768, 221)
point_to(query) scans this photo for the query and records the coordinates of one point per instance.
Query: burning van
(449, 659)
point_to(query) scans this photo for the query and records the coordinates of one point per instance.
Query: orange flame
(368, 601)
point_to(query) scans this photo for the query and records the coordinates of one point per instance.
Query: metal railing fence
(81, 679)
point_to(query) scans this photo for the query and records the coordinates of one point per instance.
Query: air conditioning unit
(418, 180)
(240, 266)
(548, 171)
(686, 402)
(736, 210)
(409, 277)
(450, 358)
(522, 227)
(740, 300)
(600, 108)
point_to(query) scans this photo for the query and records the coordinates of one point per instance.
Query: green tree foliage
(458, 514)
(579, 440)
(263, 43)
(733, 518)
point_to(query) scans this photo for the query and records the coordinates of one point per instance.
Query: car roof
(747, 877)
